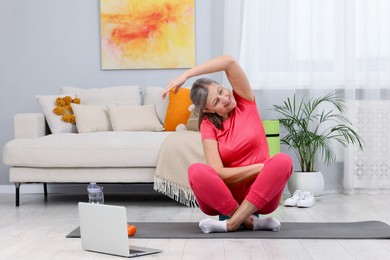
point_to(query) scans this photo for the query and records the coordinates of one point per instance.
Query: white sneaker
(307, 200)
(293, 201)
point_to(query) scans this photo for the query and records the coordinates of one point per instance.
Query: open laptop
(103, 229)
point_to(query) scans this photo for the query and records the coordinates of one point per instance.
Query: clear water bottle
(95, 193)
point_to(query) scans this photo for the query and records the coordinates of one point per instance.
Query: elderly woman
(239, 179)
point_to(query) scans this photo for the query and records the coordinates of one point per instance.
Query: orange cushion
(177, 112)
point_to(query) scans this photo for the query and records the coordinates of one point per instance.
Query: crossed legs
(242, 201)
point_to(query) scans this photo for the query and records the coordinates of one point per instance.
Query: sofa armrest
(30, 125)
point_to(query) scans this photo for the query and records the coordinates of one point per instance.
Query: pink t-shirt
(242, 140)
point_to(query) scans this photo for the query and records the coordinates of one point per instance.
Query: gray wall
(46, 44)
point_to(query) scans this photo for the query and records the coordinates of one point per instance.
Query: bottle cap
(93, 188)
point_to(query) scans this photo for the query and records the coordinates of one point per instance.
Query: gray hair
(198, 95)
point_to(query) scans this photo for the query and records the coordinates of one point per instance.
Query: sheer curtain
(313, 47)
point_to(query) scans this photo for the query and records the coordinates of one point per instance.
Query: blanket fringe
(175, 191)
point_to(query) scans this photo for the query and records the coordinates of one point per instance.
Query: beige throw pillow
(192, 123)
(134, 118)
(91, 118)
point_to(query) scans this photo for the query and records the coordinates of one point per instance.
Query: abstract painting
(147, 34)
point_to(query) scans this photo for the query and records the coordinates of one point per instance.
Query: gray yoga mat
(289, 230)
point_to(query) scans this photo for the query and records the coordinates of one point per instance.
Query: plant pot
(306, 181)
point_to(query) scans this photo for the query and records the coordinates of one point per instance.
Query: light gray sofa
(38, 156)
(105, 157)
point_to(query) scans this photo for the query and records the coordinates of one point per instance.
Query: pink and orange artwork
(147, 34)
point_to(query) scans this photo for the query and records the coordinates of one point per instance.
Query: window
(315, 43)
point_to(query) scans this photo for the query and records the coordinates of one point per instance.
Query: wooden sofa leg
(45, 189)
(17, 193)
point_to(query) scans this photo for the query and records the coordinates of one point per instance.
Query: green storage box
(272, 131)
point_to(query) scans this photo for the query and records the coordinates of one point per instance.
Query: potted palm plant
(312, 126)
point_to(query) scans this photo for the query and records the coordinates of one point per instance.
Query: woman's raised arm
(233, 70)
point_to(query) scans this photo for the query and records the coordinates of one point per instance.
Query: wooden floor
(37, 229)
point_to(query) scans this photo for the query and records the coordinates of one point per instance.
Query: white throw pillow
(56, 125)
(120, 95)
(134, 118)
(91, 118)
(153, 96)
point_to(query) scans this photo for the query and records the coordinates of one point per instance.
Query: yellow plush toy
(64, 109)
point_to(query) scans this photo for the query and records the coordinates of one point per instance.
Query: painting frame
(147, 34)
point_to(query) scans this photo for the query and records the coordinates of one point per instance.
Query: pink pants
(215, 197)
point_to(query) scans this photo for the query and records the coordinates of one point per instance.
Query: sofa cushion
(192, 123)
(153, 97)
(55, 123)
(134, 118)
(119, 95)
(99, 149)
(91, 118)
(177, 112)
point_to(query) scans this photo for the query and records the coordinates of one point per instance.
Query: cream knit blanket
(178, 151)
